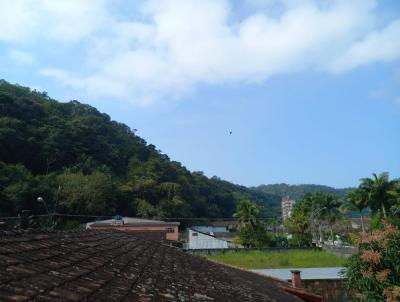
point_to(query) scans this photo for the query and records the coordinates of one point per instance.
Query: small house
(143, 228)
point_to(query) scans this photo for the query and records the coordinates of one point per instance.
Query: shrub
(373, 274)
(300, 240)
(254, 236)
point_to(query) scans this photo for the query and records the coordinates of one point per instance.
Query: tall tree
(247, 213)
(330, 210)
(378, 188)
(356, 200)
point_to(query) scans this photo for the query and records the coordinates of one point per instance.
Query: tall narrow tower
(287, 207)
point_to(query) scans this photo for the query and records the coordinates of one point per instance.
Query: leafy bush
(300, 240)
(373, 274)
(254, 236)
(279, 241)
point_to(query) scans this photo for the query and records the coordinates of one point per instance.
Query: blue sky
(310, 89)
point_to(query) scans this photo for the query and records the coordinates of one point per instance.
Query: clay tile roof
(115, 266)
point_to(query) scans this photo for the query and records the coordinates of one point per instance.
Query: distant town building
(198, 240)
(287, 207)
(143, 228)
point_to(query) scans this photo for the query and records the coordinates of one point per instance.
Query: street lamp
(41, 200)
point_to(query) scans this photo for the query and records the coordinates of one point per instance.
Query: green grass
(294, 259)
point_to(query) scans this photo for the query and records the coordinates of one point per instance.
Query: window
(194, 234)
(170, 230)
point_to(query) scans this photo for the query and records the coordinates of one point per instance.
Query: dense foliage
(297, 192)
(309, 212)
(251, 231)
(378, 197)
(373, 274)
(82, 162)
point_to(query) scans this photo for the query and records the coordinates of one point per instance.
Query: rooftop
(115, 266)
(131, 221)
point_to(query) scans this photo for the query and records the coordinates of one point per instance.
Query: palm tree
(298, 223)
(247, 213)
(378, 188)
(356, 200)
(330, 210)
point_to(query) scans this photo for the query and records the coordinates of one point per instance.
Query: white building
(198, 240)
(287, 207)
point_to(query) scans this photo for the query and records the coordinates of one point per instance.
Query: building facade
(287, 207)
(143, 228)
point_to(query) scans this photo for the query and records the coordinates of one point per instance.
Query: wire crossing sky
(295, 91)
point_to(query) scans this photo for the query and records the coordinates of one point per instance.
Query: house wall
(197, 240)
(169, 235)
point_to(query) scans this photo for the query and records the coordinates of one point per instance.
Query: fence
(342, 251)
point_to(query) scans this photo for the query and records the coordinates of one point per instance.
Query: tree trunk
(362, 223)
(321, 239)
(384, 211)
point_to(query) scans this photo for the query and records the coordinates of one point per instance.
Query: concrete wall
(197, 240)
(341, 251)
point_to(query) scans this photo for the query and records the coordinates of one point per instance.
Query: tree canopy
(82, 162)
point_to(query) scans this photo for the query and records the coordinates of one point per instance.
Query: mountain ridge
(83, 162)
(297, 191)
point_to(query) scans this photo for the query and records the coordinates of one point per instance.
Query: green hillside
(74, 156)
(297, 192)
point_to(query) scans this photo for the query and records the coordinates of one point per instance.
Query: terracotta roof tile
(115, 266)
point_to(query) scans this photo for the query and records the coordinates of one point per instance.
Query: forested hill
(75, 156)
(296, 192)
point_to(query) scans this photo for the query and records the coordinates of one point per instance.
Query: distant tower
(287, 207)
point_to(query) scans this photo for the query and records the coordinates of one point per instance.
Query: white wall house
(198, 240)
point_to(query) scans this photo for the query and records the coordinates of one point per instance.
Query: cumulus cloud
(23, 21)
(166, 48)
(378, 46)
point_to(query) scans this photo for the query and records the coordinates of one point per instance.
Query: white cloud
(23, 21)
(63, 76)
(168, 47)
(378, 46)
(21, 57)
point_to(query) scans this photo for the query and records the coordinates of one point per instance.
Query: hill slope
(78, 158)
(296, 192)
